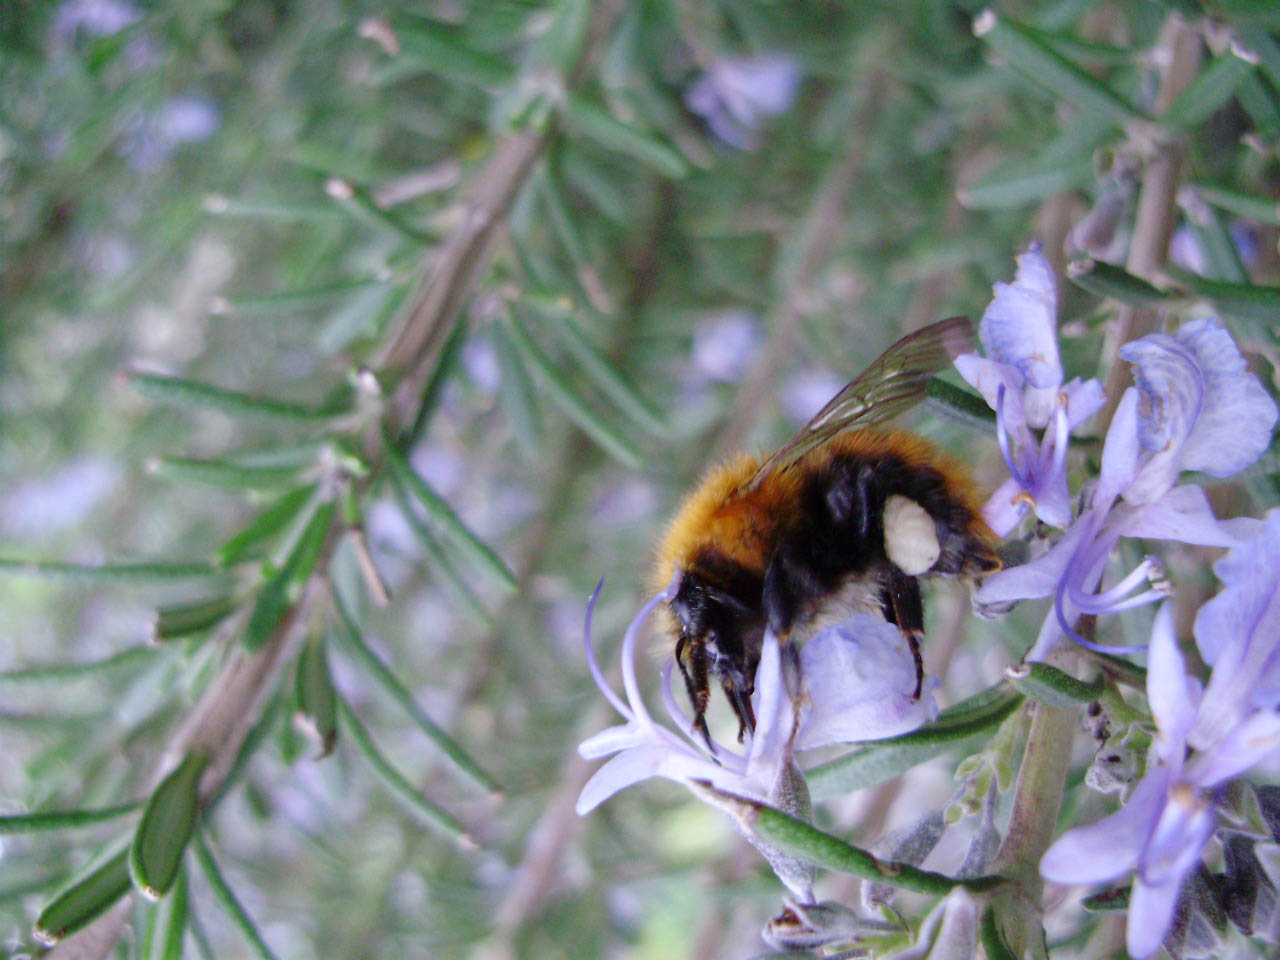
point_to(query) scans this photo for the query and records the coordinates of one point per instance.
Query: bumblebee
(845, 518)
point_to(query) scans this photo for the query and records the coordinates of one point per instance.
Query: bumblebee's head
(720, 631)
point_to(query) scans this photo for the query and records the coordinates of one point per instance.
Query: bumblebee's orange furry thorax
(742, 524)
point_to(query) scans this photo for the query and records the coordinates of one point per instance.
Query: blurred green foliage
(256, 196)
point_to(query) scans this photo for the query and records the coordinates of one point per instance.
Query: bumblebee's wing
(892, 384)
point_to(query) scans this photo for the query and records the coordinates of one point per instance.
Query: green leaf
(281, 591)
(451, 526)
(1022, 183)
(1246, 301)
(250, 542)
(224, 475)
(992, 941)
(571, 402)
(358, 203)
(803, 840)
(439, 559)
(434, 389)
(92, 893)
(71, 672)
(317, 700)
(307, 298)
(605, 375)
(960, 405)
(1026, 51)
(130, 573)
(1262, 104)
(1213, 87)
(561, 44)
(1263, 46)
(596, 123)
(186, 619)
(1222, 259)
(217, 205)
(430, 814)
(189, 394)
(1241, 204)
(881, 760)
(227, 900)
(428, 47)
(1107, 280)
(516, 395)
(1053, 687)
(168, 924)
(163, 832)
(62, 819)
(349, 635)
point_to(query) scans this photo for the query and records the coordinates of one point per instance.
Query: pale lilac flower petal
(1175, 845)
(1183, 514)
(1237, 415)
(1255, 738)
(643, 762)
(627, 768)
(1006, 507)
(1238, 633)
(1121, 450)
(1111, 847)
(1020, 326)
(860, 677)
(1150, 914)
(610, 740)
(1040, 577)
(1171, 391)
(987, 377)
(1200, 410)
(1170, 691)
(1084, 399)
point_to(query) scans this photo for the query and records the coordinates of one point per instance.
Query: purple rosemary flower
(1194, 408)
(1021, 378)
(1238, 633)
(854, 682)
(734, 95)
(1161, 831)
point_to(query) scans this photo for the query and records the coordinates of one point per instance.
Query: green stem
(805, 841)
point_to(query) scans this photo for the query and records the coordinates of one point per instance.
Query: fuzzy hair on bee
(845, 518)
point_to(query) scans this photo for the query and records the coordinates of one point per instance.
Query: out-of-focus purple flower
(99, 17)
(1194, 408)
(1161, 832)
(855, 683)
(1021, 378)
(189, 119)
(150, 140)
(735, 94)
(1238, 633)
(723, 345)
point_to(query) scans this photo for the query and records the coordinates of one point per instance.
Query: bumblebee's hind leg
(903, 606)
(691, 656)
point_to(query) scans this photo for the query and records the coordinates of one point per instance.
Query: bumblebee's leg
(904, 607)
(790, 585)
(740, 700)
(691, 656)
